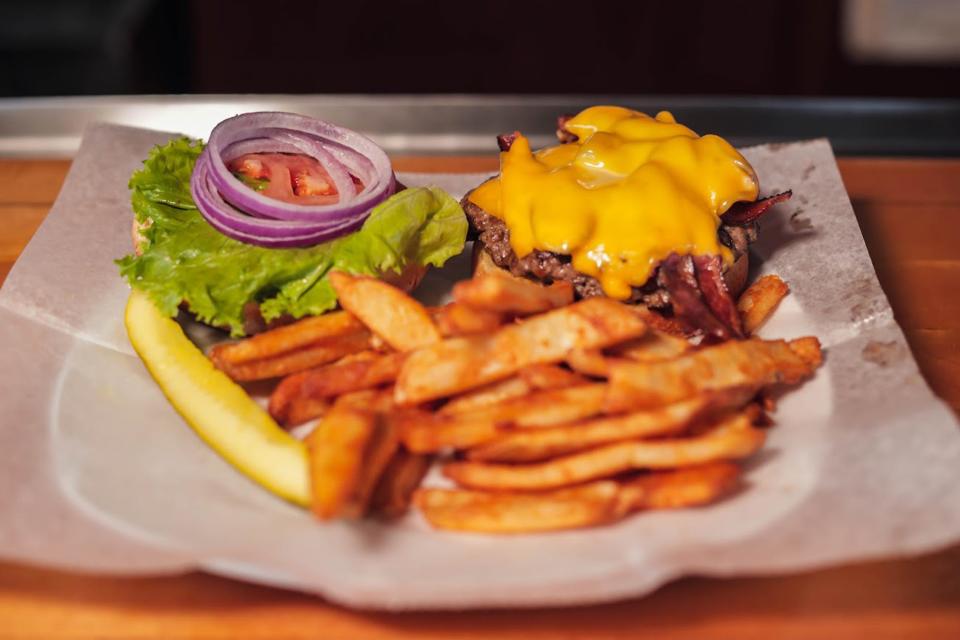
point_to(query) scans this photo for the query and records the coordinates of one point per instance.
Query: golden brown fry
(304, 409)
(540, 444)
(507, 294)
(687, 487)
(589, 362)
(460, 320)
(594, 503)
(390, 313)
(654, 346)
(309, 331)
(659, 322)
(484, 265)
(425, 432)
(748, 363)
(730, 439)
(459, 364)
(480, 511)
(290, 391)
(347, 452)
(355, 375)
(760, 300)
(400, 479)
(493, 393)
(284, 395)
(294, 361)
(550, 376)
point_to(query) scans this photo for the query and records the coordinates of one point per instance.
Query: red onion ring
(241, 213)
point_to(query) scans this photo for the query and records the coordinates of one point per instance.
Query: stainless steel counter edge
(467, 124)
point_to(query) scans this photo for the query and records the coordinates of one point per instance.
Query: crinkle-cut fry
(589, 362)
(302, 333)
(737, 363)
(390, 313)
(458, 364)
(508, 294)
(294, 361)
(403, 475)
(760, 300)
(550, 376)
(730, 439)
(531, 445)
(487, 512)
(348, 451)
(460, 320)
(485, 396)
(654, 346)
(425, 432)
(687, 487)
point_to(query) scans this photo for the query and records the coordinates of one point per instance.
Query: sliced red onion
(237, 211)
(261, 231)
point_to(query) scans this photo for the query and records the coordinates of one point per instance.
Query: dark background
(734, 47)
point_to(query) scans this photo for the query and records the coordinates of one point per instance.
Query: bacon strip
(715, 292)
(746, 212)
(678, 276)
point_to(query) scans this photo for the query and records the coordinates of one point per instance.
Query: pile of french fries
(545, 413)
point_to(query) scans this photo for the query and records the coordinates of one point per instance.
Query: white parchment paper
(100, 474)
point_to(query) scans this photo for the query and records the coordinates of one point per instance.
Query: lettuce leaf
(185, 260)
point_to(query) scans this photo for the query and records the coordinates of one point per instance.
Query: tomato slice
(288, 177)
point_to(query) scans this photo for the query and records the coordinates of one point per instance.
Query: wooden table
(909, 211)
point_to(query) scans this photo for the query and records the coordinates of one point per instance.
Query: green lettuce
(185, 260)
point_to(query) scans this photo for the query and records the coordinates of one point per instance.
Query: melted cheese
(632, 190)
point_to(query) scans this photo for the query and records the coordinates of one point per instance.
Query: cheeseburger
(635, 208)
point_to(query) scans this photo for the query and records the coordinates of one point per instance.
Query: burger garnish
(610, 207)
(242, 231)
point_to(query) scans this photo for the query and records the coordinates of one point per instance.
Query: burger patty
(547, 266)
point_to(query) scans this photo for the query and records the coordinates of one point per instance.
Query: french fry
(484, 265)
(591, 504)
(293, 361)
(654, 346)
(401, 321)
(503, 293)
(355, 375)
(589, 362)
(309, 331)
(730, 439)
(434, 432)
(659, 322)
(531, 445)
(459, 510)
(460, 320)
(290, 391)
(760, 300)
(493, 393)
(304, 409)
(549, 376)
(394, 491)
(687, 487)
(459, 364)
(746, 363)
(284, 395)
(347, 452)
(422, 432)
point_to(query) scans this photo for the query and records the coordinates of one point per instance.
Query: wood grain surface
(909, 212)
